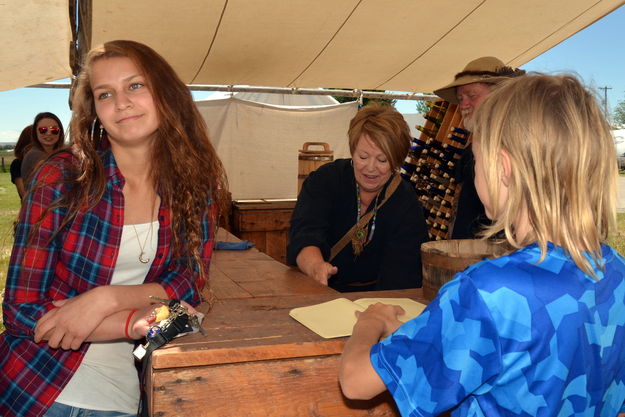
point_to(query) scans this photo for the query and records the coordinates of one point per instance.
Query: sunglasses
(54, 130)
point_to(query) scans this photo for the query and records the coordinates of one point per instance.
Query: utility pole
(605, 100)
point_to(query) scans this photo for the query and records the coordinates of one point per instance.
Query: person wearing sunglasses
(47, 136)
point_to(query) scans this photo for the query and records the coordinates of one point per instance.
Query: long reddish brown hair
(186, 170)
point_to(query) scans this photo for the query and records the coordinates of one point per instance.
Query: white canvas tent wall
(280, 99)
(414, 119)
(259, 143)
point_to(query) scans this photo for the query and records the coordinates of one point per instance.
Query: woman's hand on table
(322, 271)
(311, 262)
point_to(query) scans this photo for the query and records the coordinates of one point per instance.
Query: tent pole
(356, 93)
(287, 90)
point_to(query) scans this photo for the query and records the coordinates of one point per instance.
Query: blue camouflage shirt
(513, 337)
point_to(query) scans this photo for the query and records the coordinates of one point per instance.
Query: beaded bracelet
(132, 312)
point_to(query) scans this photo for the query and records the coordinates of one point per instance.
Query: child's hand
(382, 316)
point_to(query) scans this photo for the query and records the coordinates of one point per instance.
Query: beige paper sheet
(336, 318)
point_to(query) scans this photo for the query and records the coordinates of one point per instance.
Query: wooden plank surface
(250, 273)
(252, 329)
(258, 361)
(276, 388)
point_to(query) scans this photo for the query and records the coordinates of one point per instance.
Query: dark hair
(23, 142)
(47, 115)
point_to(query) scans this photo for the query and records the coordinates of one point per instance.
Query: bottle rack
(431, 165)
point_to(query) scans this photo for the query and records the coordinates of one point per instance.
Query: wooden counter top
(258, 329)
(256, 360)
(251, 273)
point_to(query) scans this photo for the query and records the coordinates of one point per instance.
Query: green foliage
(9, 207)
(365, 100)
(422, 107)
(618, 116)
(6, 157)
(617, 239)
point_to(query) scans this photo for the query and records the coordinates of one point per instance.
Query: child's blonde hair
(564, 167)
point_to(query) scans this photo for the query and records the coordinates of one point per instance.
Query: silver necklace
(148, 235)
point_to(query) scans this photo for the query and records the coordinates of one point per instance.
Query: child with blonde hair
(540, 331)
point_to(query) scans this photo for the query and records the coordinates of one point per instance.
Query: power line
(605, 100)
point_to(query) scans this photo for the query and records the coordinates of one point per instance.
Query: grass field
(10, 205)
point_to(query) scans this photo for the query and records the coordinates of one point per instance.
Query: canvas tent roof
(401, 45)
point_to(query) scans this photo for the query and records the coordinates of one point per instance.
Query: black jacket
(327, 208)
(470, 213)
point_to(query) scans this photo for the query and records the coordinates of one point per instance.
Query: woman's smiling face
(372, 168)
(48, 133)
(123, 101)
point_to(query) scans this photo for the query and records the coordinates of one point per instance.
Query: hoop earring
(96, 141)
(92, 130)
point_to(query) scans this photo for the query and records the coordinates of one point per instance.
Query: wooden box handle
(326, 147)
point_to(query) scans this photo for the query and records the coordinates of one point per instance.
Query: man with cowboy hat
(469, 88)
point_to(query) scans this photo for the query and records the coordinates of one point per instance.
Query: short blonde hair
(386, 128)
(564, 168)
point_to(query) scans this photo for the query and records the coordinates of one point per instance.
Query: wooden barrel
(309, 160)
(441, 259)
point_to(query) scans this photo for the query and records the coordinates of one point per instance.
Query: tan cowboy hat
(486, 69)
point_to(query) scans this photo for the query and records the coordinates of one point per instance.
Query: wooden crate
(265, 222)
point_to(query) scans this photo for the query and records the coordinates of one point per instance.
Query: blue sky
(596, 54)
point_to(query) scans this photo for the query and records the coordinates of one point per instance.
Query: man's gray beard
(468, 123)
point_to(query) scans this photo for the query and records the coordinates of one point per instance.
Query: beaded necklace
(361, 238)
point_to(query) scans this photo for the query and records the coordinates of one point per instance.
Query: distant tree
(422, 108)
(618, 116)
(365, 100)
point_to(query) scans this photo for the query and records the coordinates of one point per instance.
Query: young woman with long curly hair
(128, 211)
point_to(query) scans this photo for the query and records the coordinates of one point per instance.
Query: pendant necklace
(360, 238)
(148, 236)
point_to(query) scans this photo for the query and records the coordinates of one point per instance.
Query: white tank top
(107, 378)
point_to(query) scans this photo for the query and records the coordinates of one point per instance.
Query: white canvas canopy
(398, 45)
(259, 143)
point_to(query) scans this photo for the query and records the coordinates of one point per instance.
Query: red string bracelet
(132, 312)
